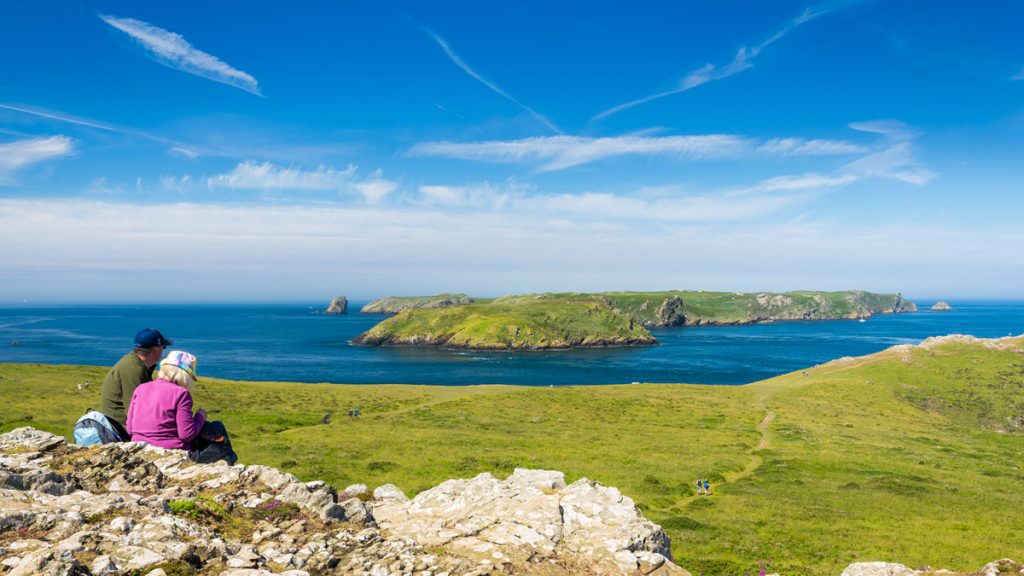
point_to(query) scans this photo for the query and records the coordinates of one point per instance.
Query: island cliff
(576, 320)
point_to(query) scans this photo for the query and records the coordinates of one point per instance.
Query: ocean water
(291, 342)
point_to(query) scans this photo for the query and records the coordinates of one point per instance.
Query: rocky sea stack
(942, 305)
(338, 306)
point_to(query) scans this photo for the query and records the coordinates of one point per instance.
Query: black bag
(212, 445)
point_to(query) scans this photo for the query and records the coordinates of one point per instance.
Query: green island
(507, 324)
(575, 320)
(912, 455)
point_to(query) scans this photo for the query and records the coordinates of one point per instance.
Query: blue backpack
(93, 429)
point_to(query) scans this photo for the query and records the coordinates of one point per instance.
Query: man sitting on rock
(133, 369)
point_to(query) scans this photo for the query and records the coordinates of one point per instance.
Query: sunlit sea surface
(292, 342)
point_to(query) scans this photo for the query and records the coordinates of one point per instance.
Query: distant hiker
(351, 413)
(707, 488)
(131, 370)
(160, 413)
(327, 418)
(356, 412)
(700, 485)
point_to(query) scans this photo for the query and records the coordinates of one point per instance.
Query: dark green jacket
(120, 384)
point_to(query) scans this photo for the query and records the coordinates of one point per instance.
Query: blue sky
(255, 151)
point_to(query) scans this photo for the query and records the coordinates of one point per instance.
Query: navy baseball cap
(149, 338)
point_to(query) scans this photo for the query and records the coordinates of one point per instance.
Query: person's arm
(129, 424)
(189, 426)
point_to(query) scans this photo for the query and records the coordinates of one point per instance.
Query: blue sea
(292, 342)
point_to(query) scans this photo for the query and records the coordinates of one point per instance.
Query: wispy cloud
(250, 175)
(1018, 75)
(896, 162)
(606, 205)
(893, 159)
(743, 59)
(177, 148)
(376, 188)
(23, 153)
(458, 61)
(897, 159)
(173, 51)
(559, 152)
(790, 183)
(265, 176)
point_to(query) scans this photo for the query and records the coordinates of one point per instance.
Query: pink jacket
(160, 413)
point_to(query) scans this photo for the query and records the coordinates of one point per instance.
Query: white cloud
(265, 176)
(790, 183)
(458, 61)
(669, 205)
(741, 61)
(293, 251)
(895, 130)
(23, 153)
(177, 148)
(250, 175)
(800, 147)
(1018, 75)
(375, 189)
(182, 152)
(559, 152)
(893, 159)
(173, 51)
(173, 184)
(897, 162)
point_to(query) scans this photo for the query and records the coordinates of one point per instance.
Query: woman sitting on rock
(160, 413)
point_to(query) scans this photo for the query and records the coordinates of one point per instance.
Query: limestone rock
(1004, 567)
(531, 517)
(338, 306)
(127, 508)
(942, 305)
(29, 439)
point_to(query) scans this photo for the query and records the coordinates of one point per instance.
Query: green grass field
(915, 458)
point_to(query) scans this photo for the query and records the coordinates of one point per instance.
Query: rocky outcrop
(1004, 567)
(338, 306)
(132, 508)
(533, 516)
(670, 313)
(942, 306)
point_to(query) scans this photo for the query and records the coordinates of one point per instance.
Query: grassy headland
(914, 455)
(571, 320)
(529, 324)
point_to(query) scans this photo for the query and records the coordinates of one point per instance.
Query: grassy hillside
(525, 325)
(694, 307)
(912, 455)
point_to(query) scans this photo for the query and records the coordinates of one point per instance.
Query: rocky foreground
(132, 509)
